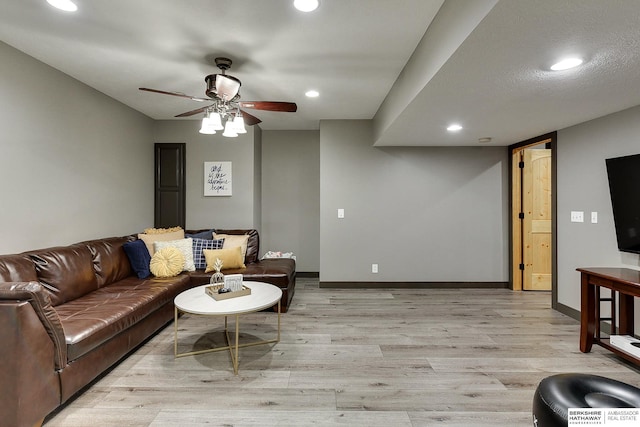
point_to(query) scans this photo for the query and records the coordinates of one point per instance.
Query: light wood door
(536, 224)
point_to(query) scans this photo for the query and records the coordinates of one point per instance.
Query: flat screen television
(624, 187)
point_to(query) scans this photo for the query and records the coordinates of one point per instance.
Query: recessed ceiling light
(454, 127)
(66, 5)
(566, 63)
(306, 5)
(312, 93)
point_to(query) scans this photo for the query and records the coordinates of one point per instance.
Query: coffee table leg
(233, 348)
(175, 332)
(278, 339)
(235, 359)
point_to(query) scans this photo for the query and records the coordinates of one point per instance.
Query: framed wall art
(217, 179)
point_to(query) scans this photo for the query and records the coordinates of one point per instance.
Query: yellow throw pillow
(231, 258)
(161, 230)
(167, 262)
(150, 239)
(233, 240)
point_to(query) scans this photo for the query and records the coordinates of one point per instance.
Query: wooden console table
(624, 283)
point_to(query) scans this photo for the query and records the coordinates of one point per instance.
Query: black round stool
(556, 394)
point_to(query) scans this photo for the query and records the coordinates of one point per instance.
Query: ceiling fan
(223, 91)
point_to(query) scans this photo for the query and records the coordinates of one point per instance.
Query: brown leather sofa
(69, 313)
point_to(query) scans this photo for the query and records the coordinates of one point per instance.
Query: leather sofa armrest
(35, 294)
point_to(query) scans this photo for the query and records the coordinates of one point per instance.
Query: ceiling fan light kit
(213, 120)
(206, 130)
(211, 123)
(238, 124)
(224, 91)
(229, 130)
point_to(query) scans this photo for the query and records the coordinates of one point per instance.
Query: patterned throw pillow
(201, 244)
(167, 262)
(184, 245)
(161, 230)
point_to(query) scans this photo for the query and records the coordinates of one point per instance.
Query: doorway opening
(533, 215)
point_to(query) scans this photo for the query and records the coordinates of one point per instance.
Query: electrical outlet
(374, 268)
(594, 217)
(577, 216)
(340, 213)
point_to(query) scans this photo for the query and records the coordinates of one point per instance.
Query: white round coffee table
(196, 301)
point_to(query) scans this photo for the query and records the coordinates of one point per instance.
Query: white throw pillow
(150, 239)
(185, 246)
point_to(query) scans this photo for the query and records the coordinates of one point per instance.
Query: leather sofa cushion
(110, 262)
(17, 268)
(93, 319)
(66, 272)
(279, 272)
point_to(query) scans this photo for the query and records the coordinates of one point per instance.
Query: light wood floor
(389, 358)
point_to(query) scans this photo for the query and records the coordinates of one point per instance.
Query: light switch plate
(340, 213)
(594, 217)
(577, 216)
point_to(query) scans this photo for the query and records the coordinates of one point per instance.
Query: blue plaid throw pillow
(199, 245)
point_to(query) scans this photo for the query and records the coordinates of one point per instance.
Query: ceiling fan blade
(250, 120)
(180, 94)
(192, 112)
(287, 107)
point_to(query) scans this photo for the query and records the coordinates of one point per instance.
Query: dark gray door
(170, 188)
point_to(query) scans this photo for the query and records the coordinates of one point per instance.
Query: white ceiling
(413, 66)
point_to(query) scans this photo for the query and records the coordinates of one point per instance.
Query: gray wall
(422, 214)
(240, 210)
(291, 195)
(74, 163)
(257, 179)
(73, 158)
(583, 186)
